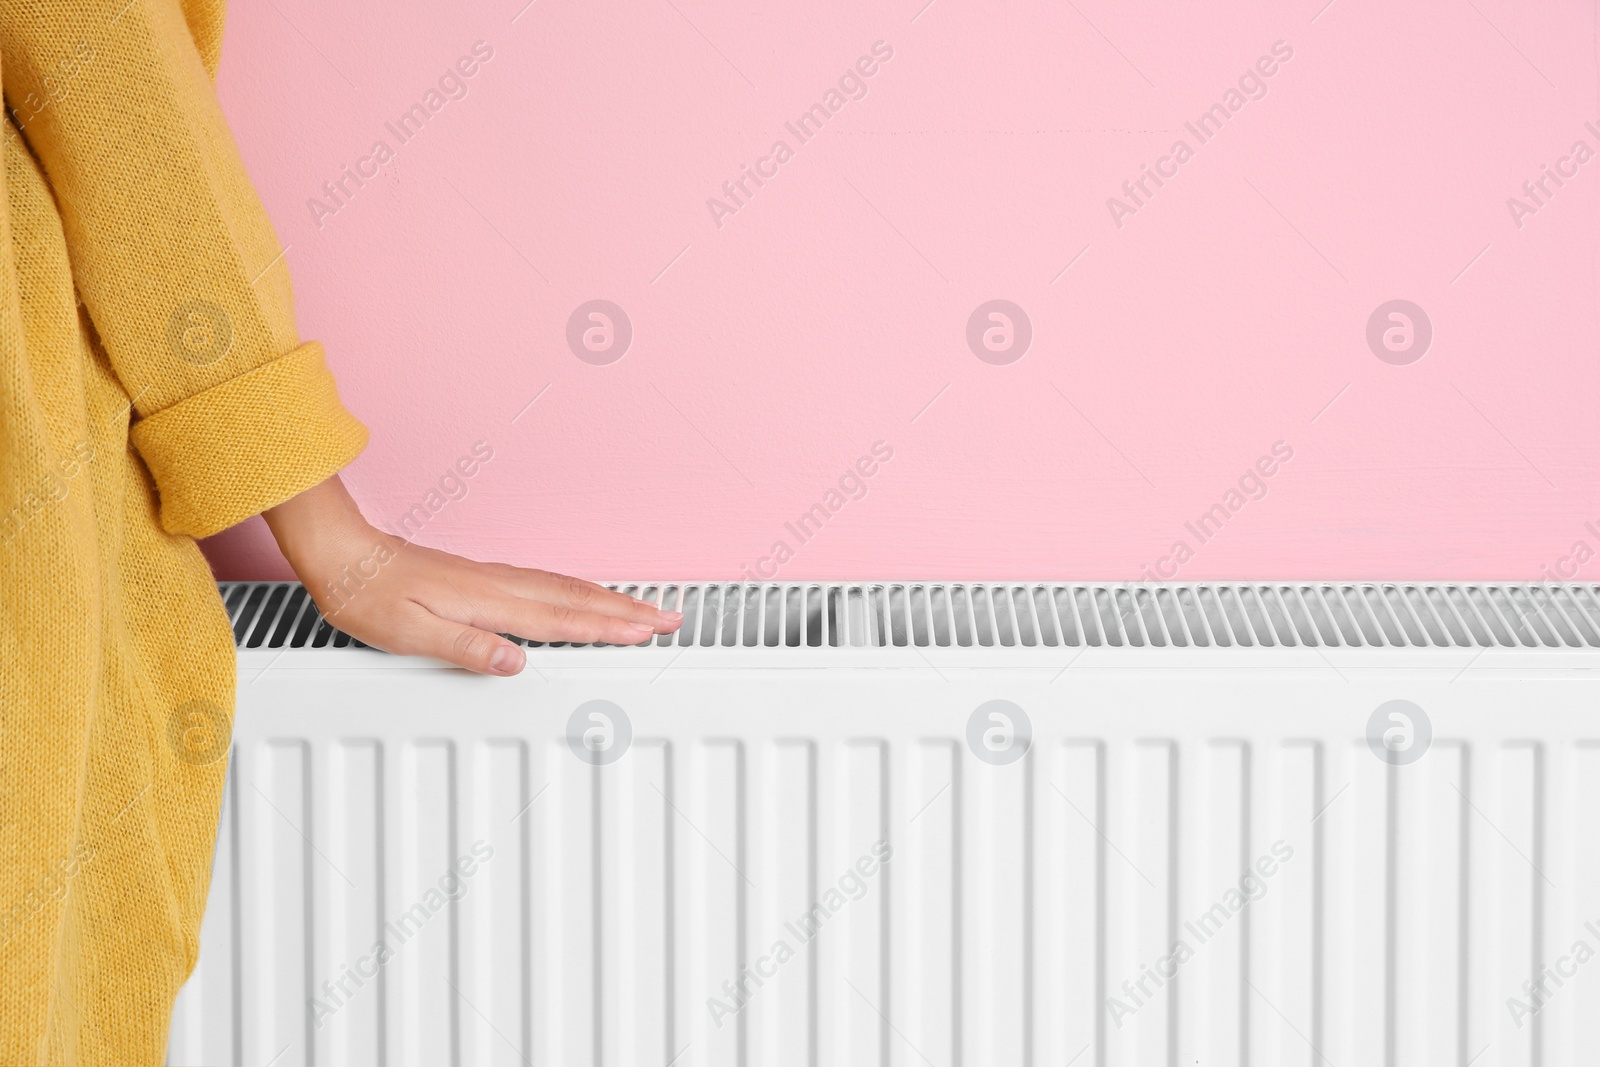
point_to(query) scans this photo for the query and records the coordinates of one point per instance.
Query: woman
(153, 390)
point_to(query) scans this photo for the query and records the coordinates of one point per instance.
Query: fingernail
(508, 659)
(671, 616)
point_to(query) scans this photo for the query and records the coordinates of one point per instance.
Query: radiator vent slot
(1030, 615)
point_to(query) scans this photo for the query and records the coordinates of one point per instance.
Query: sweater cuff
(248, 444)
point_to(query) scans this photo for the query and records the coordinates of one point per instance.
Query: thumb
(466, 646)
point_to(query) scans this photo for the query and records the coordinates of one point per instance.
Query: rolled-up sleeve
(174, 257)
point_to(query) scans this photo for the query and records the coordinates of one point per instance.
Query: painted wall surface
(1324, 272)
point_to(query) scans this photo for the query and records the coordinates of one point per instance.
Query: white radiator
(1001, 824)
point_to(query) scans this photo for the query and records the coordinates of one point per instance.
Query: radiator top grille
(1047, 615)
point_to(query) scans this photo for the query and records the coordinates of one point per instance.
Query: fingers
(438, 605)
(556, 622)
(465, 646)
(569, 592)
(478, 646)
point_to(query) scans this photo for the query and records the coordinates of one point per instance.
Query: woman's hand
(404, 598)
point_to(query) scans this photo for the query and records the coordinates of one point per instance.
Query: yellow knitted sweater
(152, 390)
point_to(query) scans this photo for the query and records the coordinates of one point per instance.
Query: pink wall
(1173, 345)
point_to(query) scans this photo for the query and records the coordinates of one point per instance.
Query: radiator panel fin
(1334, 908)
(624, 913)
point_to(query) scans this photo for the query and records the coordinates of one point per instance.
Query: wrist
(319, 524)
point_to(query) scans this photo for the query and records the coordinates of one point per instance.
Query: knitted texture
(152, 388)
(205, 452)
